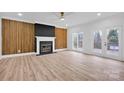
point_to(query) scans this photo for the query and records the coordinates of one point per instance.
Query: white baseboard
(58, 50)
(99, 55)
(16, 55)
(23, 54)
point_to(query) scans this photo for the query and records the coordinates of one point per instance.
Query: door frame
(104, 48)
(117, 56)
(77, 49)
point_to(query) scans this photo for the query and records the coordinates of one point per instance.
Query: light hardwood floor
(66, 65)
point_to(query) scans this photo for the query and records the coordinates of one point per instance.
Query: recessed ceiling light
(62, 19)
(98, 14)
(20, 14)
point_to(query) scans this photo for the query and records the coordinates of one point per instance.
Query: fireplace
(46, 47)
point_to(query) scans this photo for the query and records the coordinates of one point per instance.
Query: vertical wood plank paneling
(5, 36)
(13, 37)
(17, 37)
(32, 37)
(24, 37)
(65, 38)
(61, 38)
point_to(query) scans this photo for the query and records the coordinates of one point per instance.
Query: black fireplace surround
(46, 47)
(43, 30)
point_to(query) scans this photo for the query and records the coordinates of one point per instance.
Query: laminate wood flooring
(61, 66)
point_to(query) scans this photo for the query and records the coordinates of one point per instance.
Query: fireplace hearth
(46, 47)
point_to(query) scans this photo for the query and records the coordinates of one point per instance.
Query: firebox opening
(46, 47)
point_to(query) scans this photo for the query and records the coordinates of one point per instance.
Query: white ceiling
(52, 18)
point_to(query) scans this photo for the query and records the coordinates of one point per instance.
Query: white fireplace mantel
(39, 38)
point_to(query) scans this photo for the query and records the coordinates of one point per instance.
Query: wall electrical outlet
(19, 51)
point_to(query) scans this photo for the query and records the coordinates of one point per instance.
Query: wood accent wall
(17, 37)
(61, 38)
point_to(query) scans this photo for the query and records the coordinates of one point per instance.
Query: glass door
(107, 43)
(80, 40)
(112, 44)
(77, 41)
(97, 43)
(74, 40)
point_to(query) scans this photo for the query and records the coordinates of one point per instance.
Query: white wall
(88, 28)
(86, 31)
(0, 38)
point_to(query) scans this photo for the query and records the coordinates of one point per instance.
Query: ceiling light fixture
(20, 14)
(98, 14)
(62, 16)
(62, 19)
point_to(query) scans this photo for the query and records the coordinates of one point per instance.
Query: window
(77, 40)
(98, 40)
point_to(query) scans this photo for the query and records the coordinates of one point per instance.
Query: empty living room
(61, 46)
